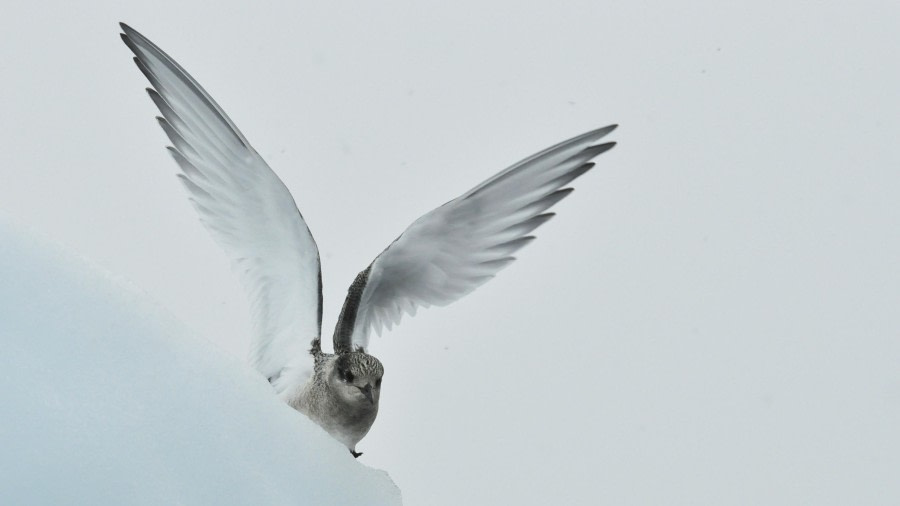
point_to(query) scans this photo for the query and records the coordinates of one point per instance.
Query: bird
(441, 257)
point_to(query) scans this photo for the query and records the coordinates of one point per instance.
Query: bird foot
(355, 454)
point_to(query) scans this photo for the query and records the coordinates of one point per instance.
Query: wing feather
(246, 209)
(459, 246)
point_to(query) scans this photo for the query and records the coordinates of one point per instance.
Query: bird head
(356, 377)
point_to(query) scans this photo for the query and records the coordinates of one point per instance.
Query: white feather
(459, 246)
(246, 209)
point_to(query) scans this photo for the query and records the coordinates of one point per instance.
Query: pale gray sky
(711, 319)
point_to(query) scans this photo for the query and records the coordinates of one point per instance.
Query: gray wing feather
(461, 245)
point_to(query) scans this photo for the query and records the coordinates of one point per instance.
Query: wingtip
(595, 135)
(607, 129)
(129, 31)
(132, 37)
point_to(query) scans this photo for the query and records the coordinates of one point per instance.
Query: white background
(712, 317)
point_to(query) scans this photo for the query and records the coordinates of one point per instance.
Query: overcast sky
(710, 319)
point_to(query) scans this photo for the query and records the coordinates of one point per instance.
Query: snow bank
(104, 399)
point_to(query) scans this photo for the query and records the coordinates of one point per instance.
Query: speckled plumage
(347, 418)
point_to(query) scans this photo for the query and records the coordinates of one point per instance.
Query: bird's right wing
(246, 209)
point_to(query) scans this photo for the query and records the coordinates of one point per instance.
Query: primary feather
(459, 246)
(246, 208)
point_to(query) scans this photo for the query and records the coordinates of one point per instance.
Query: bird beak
(367, 391)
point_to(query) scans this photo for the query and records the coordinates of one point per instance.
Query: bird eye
(378, 383)
(348, 377)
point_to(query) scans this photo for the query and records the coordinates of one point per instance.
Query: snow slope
(104, 399)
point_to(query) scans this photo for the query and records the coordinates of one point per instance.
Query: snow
(106, 399)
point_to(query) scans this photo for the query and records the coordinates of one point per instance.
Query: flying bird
(250, 213)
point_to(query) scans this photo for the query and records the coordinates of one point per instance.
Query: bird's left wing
(459, 246)
(246, 209)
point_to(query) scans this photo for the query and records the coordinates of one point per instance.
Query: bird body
(441, 257)
(341, 395)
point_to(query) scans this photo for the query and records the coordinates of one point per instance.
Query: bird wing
(247, 210)
(459, 246)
